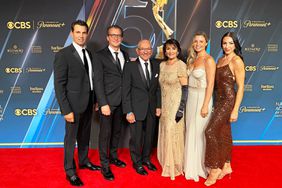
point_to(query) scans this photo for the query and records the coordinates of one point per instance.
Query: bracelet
(181, 111)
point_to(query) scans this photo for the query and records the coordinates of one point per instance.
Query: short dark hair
(238, 48)
(174, 43)
(79, 22)
(116, 27)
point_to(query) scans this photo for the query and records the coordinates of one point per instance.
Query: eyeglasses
(115, 35)
(145, 49)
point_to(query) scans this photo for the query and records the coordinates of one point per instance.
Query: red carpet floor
(253, 166)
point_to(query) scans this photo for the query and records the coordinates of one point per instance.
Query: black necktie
(118, 62)
(85, 62)
(147, 74)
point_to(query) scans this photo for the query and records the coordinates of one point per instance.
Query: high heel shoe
(213, 176)
(224, 173)
(226, 170)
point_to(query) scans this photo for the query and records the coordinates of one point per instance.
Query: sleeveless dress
(195, 126)
(218, 131)
(171, 134)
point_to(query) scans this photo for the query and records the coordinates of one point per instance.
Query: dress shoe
(74, 180)
(213, 176)
(90, 166)
(118, 163)
(140, 170)
(226, 170)
(107, 173)
(150, 165)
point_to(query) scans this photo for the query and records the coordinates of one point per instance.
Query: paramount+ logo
(226, 24)
(19, 25)
(26, 112)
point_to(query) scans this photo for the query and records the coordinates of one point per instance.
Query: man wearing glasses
(141, 101)
(108, 81)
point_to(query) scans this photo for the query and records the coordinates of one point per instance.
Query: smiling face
(144, 49)
(114, 37)
(228, 45)
(79, 35)
(171, 51)
(199, 43)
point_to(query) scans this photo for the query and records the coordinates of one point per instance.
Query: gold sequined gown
(218, 131)
(171, 134)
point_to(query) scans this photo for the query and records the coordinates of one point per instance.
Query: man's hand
(158, 112)
(106, 111)
(69, 117)
(96, 107)
(130, 117)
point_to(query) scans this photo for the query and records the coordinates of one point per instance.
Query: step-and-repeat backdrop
(33, 31)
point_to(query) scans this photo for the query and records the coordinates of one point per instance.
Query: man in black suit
(142, 103)
(108, 79)
(73, 82)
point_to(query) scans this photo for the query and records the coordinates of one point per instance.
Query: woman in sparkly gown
(230, 71)
(173, 83)
(201, 72)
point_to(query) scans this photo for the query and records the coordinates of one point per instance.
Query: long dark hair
(238, 47)
(174, 43)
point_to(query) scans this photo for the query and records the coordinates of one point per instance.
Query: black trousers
(78, 131)
(110, 131)
(141, 139)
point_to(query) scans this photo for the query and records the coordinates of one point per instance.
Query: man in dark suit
(73, 82)
(108, 79)
(141, 102)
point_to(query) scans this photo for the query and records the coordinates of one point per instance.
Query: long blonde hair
(192, 55)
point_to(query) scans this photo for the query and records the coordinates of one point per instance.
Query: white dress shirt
(142, 62)
(80, 53)
(120, 56)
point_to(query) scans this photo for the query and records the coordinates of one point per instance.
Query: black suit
(142, 100)
(72, 87)
(108, 82)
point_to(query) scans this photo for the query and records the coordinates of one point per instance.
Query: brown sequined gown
(218, 131)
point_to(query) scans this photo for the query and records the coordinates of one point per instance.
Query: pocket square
(156, 75)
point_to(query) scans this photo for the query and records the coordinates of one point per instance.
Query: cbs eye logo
(13, 70)
(18, 25)
(226, 24)
(250, 68)
(25, 112)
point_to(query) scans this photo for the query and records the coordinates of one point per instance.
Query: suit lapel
(154, 73)
(109, 55)
(142, 73)
(111, 58)
(76, 55)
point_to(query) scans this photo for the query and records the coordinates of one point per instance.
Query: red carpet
(253, 166)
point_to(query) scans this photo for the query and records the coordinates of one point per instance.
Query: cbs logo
(18, 25)
(25, 112)
(13, 70)
(226, 24)
(250, 68)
